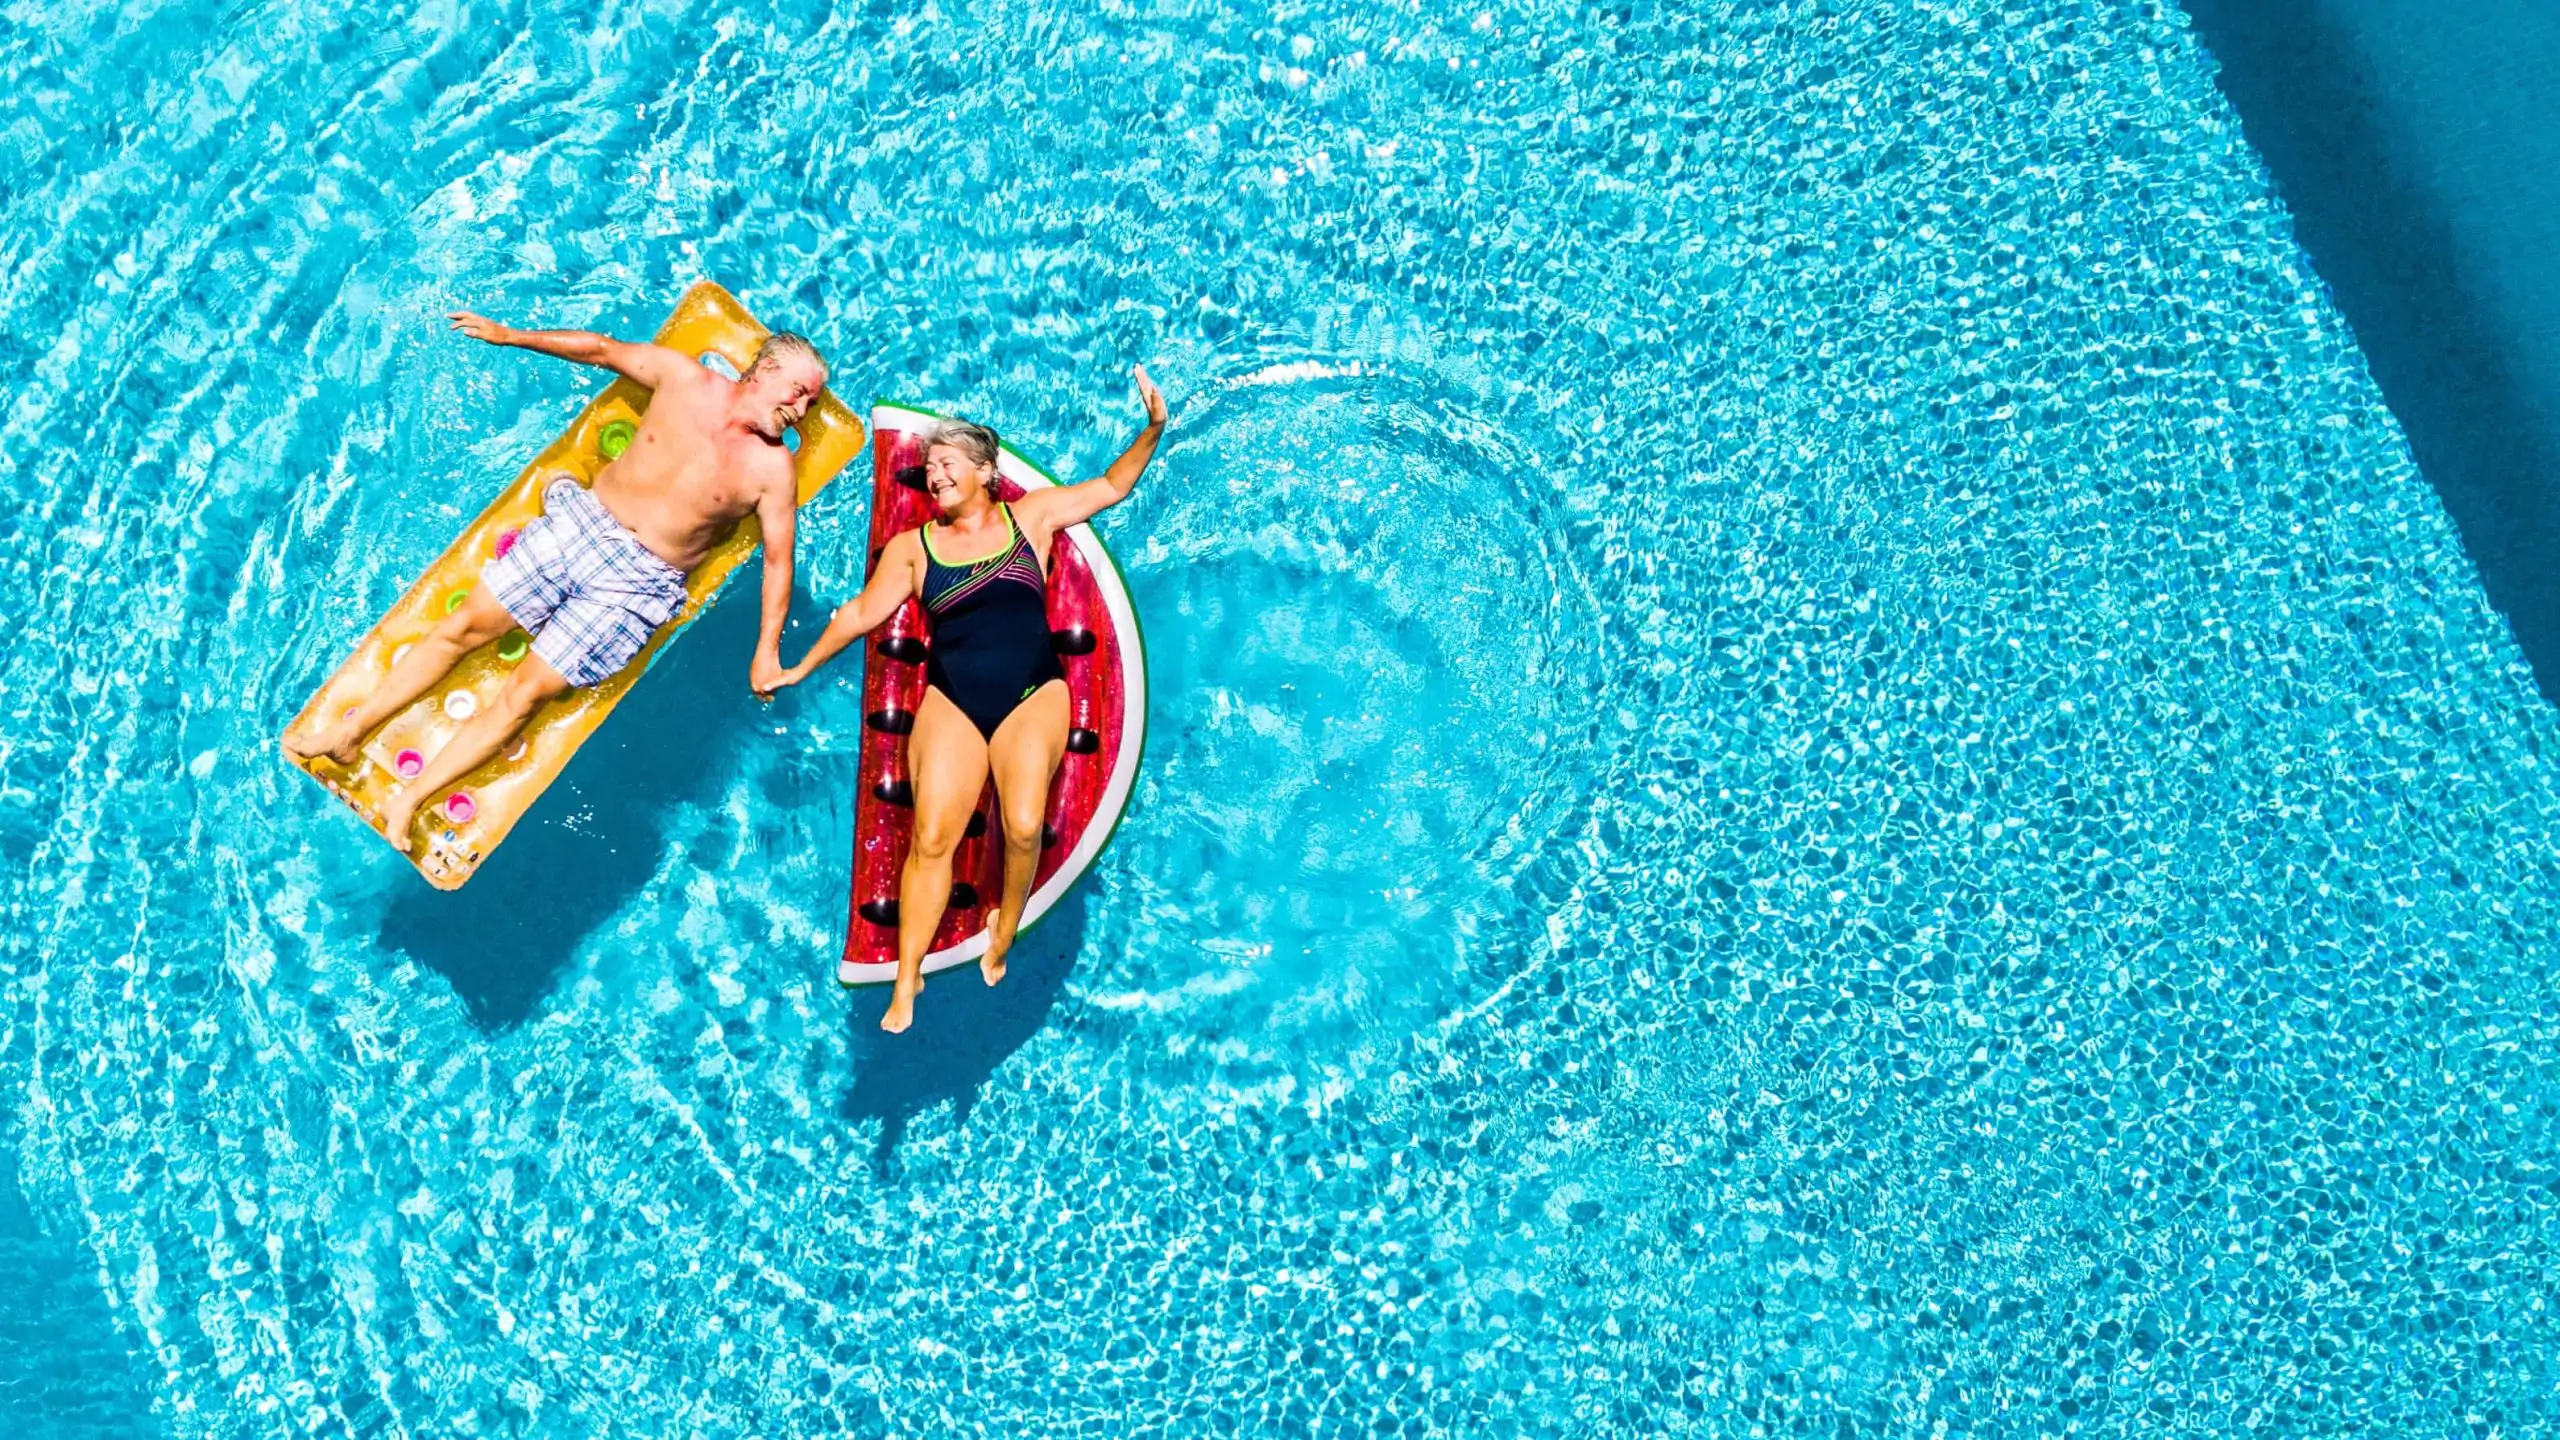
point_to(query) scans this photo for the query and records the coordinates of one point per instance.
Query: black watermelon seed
(964, 896)
(895, 792)
(977, 823)
(1074, 640)
(891, 722)
(911, 476)
(1084, 742)
(905, 648)
(880, 912)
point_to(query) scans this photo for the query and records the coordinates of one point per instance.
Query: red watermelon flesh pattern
(893, 686)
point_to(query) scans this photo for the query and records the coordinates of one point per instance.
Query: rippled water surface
(1818, 768)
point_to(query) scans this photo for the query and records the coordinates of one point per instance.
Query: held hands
(480, 327)
(1152, 398)
(767, 675)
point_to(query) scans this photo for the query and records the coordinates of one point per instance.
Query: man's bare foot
(396, 819)
(902, 1007)
(324, 740)
(991, 964)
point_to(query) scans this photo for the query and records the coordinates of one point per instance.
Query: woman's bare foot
(991, 964)
(332, 741)
(396, 818)
(902, 1007)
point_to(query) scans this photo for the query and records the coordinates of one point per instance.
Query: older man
(603, 568)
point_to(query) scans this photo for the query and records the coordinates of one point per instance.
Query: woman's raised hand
(1150, 397)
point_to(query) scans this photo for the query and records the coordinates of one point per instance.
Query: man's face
(781, 391)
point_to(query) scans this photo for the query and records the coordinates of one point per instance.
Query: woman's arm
(890, 587)
(1057, 508)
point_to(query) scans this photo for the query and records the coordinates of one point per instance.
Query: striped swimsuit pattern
(990, 621)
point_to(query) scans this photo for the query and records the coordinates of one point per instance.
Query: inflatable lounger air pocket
(457, 830)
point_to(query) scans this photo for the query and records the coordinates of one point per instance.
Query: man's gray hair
(968, 435)
(782, 345)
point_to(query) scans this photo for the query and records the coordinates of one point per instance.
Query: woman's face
(953, 477)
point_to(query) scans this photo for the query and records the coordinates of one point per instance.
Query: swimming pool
(2418, 149)
(1818, 767)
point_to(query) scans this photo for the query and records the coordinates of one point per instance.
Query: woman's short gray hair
(976, 440)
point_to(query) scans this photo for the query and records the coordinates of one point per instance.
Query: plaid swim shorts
(587, 589)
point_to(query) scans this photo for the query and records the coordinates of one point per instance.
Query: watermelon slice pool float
(1093, 627)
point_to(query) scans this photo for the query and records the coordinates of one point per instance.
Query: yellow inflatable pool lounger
(457, 831)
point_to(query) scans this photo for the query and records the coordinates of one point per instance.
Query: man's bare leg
(479, 738)
(947, 765)
(479, 621)
(1024, 757)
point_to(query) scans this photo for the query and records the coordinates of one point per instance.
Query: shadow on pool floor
(595, 837)
(2455, 370)
(964, 1029)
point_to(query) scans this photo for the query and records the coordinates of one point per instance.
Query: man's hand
(766, 676)
(481, 327)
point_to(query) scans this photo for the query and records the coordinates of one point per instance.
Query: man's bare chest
(709, 473)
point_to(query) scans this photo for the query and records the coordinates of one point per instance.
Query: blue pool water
(1819, 767)
(2417, 147)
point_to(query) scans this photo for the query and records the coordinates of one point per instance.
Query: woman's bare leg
(480, 737)
(1024, 758)
(947, 765)
(479, 621)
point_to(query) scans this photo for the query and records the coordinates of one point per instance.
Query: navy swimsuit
(990, 629)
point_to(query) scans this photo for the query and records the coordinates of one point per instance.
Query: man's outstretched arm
(644, 365)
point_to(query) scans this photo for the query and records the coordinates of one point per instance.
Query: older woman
(995, 701)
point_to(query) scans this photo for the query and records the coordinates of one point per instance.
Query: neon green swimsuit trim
(1012, 537)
